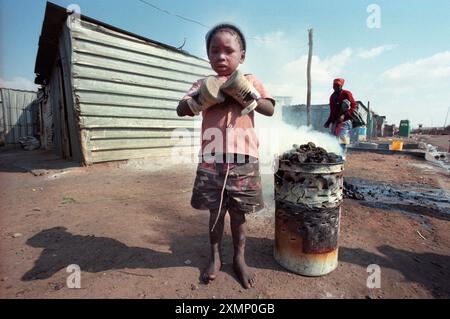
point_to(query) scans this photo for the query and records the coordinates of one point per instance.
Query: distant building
(389, 130)
(374, 122)
(283, 100)
(18, 112)
(296, 115)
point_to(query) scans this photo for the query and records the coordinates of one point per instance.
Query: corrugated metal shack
(112, 94)
(379, 122)
(296, 115)
(16, 115)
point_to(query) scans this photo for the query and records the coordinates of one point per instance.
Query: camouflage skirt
(242, 194)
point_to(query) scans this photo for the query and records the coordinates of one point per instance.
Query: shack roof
(54, 19)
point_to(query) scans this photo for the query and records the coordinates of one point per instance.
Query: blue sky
(403, 67)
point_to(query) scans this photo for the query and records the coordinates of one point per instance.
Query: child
(228, 176)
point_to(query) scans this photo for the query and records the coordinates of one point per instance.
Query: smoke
(275, 138)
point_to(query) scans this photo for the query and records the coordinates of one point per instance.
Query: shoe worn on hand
(208, 95)
(240, 89)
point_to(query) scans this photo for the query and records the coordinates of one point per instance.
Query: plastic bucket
(397, 145)
(362, 134)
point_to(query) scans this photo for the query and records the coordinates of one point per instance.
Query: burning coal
(310, 153)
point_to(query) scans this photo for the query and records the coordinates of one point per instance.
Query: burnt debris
(310, 153)
(352, 192)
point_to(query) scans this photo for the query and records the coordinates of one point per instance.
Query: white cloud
(290, 79)
(417, 90)
(19, 83)
(374, 52)
(266, 53)
(434, 68)
(336, 63)
(271, 39)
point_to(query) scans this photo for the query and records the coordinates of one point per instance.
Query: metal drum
(308, 200)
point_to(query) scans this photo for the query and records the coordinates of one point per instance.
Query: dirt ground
(131, 230)
(442, 142)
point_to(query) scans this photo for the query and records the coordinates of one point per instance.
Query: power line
(262, 39)
(173, 14)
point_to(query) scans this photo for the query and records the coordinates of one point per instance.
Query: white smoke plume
(277, 137)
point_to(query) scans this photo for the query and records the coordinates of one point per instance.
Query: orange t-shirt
(224, 129)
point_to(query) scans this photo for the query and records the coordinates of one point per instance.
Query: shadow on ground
(428, 269)
(22, 161)
(97, 254)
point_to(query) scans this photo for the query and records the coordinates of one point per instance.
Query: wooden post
(369, 122)
(308, 74)
(445, 123)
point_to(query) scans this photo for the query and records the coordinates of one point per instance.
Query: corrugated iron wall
(16, 114)
(126, 93)
(2, 123)
(47, 125)
(297, 115)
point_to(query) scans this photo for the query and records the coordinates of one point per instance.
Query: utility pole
(369, 122)
(445, 123)
(308, 74)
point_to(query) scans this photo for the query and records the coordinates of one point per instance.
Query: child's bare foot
(247, 278)
(210, 273)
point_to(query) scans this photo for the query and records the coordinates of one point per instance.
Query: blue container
(362, 130)
(362, 133)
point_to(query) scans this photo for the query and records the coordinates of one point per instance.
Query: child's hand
(239, 88)
(208, 95)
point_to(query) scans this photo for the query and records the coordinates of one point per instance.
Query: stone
(39, 172)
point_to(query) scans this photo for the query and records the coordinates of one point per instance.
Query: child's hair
(228, 27)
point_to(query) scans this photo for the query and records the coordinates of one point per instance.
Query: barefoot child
(228, 176)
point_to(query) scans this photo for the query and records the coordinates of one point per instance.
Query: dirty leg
(215, 239)
(238, 230)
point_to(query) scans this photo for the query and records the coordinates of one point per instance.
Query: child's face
(225, 53)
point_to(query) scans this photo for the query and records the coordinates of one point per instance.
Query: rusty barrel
(308, 200)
